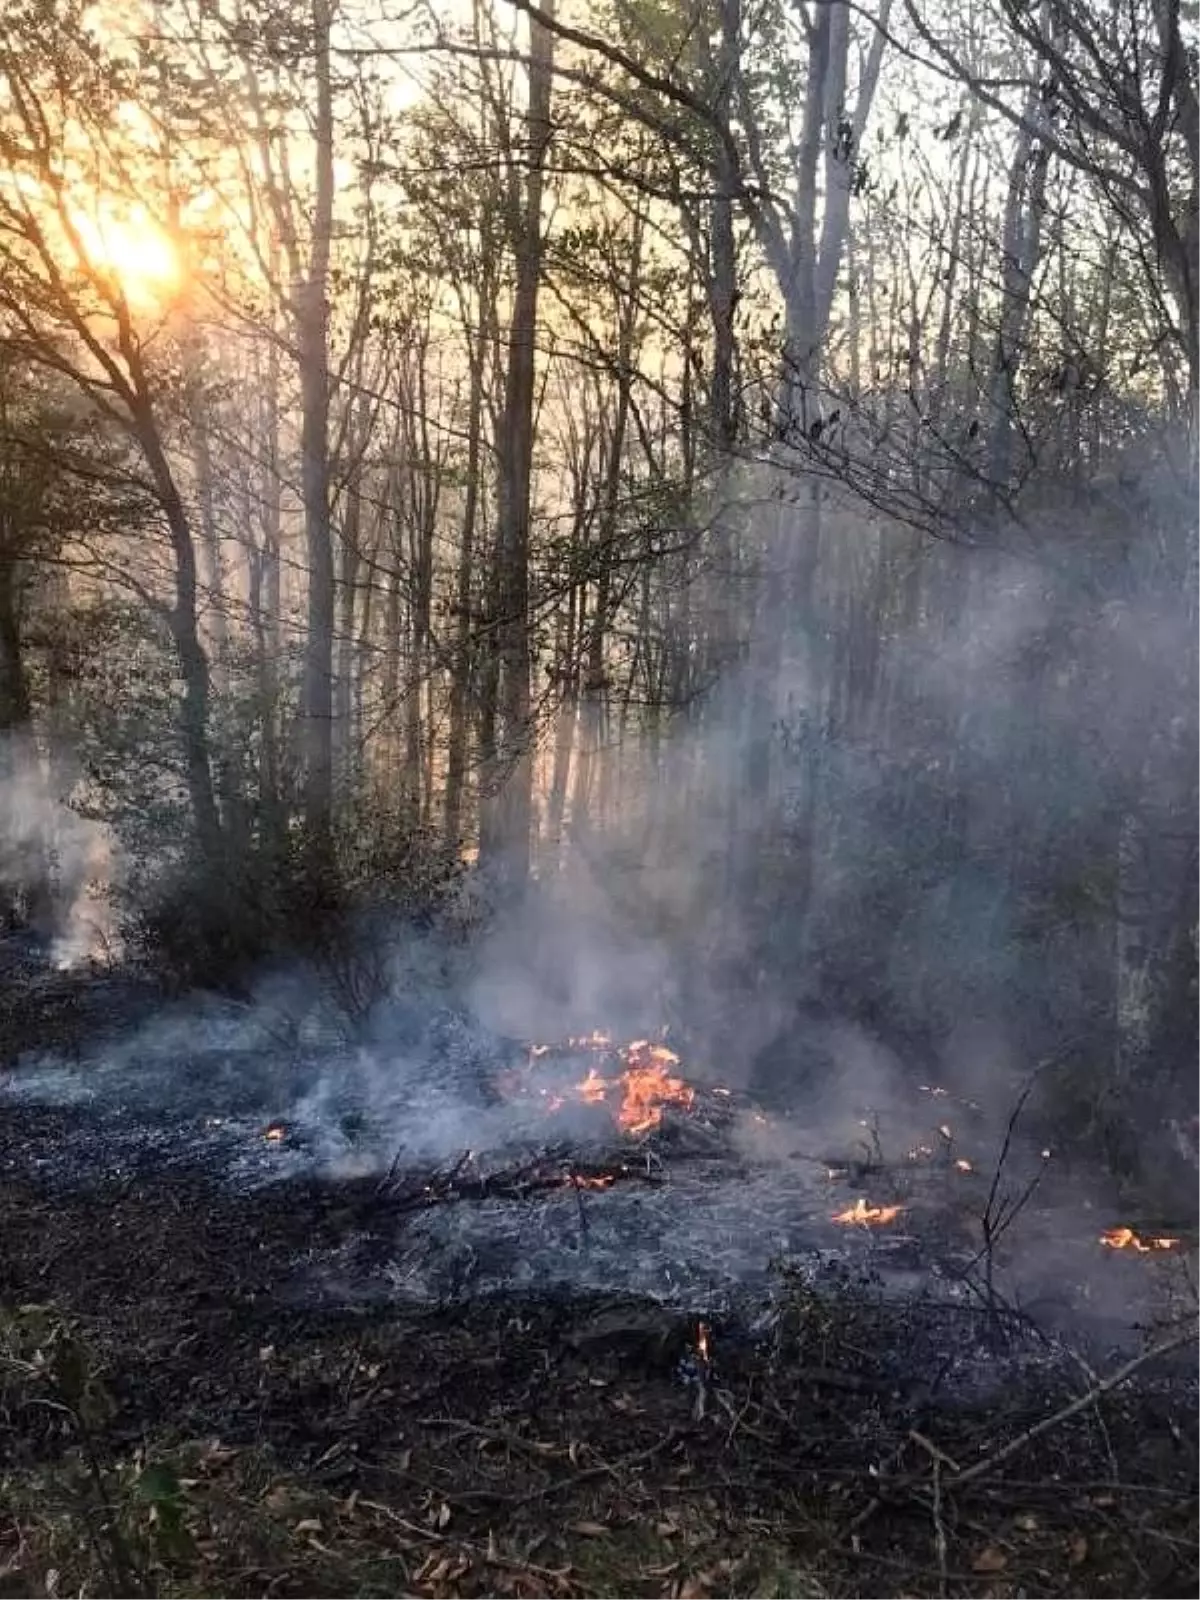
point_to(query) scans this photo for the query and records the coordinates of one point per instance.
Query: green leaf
(157, 1485)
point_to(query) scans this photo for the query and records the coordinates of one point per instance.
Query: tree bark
(509, 785)
(312, 341)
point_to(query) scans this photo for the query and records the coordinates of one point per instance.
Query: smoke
(57, 867)
(919, 912)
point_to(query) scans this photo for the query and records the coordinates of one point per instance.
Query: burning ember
(1126, 1239)
(643, 1084)
(868, 1216)
(275, 1132)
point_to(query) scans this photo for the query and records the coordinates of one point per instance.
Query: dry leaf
(590, 1530)
(698, 1587)
(573, 1452)
(990, 1559)
(279, 1498)
(443, 1515)
(308, 1525)
(1027, 1522)
(666, 1529)
(1077, 1549)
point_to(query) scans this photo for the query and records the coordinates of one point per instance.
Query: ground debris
(827, 1439)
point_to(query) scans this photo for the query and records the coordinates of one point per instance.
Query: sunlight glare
(130, 246)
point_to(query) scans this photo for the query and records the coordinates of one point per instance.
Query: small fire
(593, 1089)
(1126, 1239)
(275, 1132)
(637, 1093)
(648, 1086)
(602, 1180)
(703, 1347)
(868, 1216)
(963, 1166)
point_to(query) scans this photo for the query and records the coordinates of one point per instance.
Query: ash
(421, 1190)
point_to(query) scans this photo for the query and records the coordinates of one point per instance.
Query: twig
(583, 1221)
(1000, 1212)
(1014, 1446)
(939, 1458)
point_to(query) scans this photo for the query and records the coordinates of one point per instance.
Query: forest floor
(172, 1423)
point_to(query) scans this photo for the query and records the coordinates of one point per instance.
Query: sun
(127, 244)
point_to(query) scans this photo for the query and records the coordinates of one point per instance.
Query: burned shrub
(215, 927)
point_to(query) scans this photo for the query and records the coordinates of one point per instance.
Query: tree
(67, 310)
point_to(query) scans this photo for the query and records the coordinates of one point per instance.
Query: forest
(748, 469)
(525, 525)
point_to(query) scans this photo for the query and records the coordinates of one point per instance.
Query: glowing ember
(1126, 1239)
(946, 1132)
(963, 1166)
(868, 1216)
(276, 1132)
(603, 1180)
(703, 1349)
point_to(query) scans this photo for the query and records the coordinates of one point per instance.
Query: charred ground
(194, 1402)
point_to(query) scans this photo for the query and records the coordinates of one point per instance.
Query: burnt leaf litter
(224, 1379)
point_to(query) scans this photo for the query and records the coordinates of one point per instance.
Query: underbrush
(206, 926)
(323, 1459)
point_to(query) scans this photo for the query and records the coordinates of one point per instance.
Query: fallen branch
(1113, 1381)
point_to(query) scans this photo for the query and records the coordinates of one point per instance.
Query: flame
(648, 1086)
(276, 1132)
(602, 1180)
(636, 1094)
(703, 1347)
(1126, 1239)
(868, 1216)
(593, 1089)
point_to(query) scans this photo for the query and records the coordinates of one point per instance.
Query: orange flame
(703, 1349)
(868, 1216)
(276, 1132)
(1126, 1239)
(648, 1086)
(638, 1092)
(593, 1089)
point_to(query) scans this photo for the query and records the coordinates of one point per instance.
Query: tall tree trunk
(312, 342)
(461, 665)
(1020, 247)
(193, 663)
(510, 783)
(267, 614)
